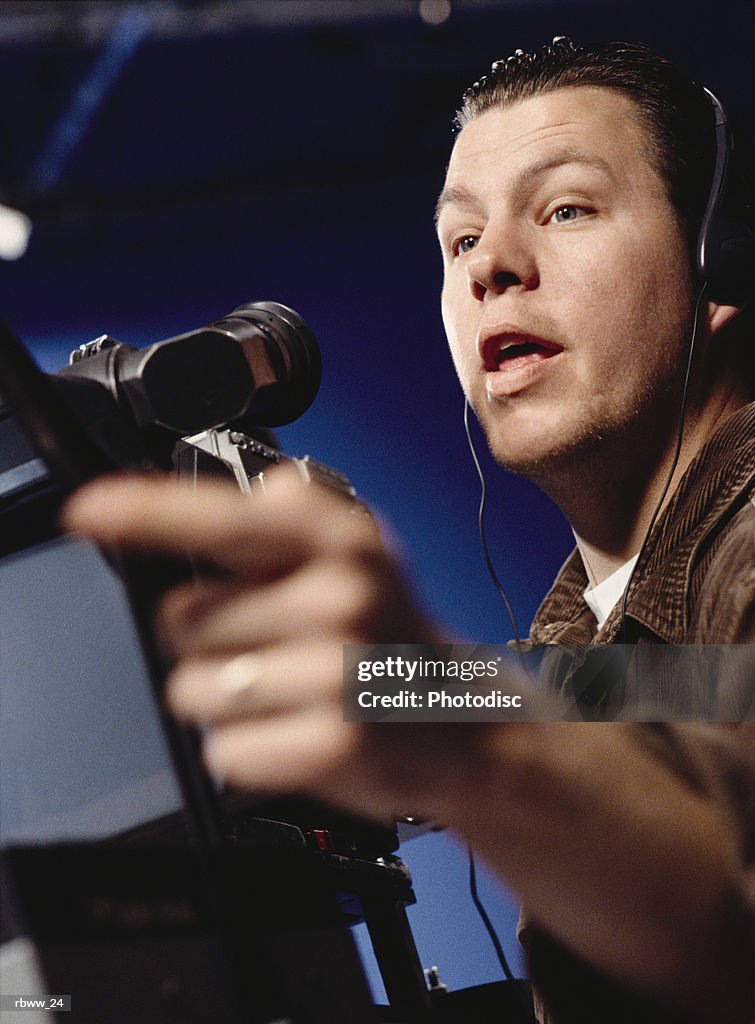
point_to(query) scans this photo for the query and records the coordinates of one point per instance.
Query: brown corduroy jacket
(696, 585)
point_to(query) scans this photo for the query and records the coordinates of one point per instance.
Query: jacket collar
(722, 473)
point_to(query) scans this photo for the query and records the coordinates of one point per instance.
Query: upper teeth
(506, 345)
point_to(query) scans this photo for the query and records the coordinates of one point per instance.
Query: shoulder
(723, 609)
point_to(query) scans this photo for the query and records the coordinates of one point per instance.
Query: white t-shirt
(602, 598)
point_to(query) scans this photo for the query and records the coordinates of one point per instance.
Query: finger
(256, 684)
(376, 771)
(320, 599)
(312, 752)
(259, 536)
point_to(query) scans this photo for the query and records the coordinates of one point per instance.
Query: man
(569, 299)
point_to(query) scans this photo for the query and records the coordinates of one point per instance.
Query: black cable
(674, 463)
(507, 972)
(485, 919)
(481, 524)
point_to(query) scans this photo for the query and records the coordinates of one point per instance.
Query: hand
(298, 572)
(564, 811)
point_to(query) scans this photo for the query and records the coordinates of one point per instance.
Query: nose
(500, 261)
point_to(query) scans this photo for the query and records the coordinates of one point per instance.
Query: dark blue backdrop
(301, 164)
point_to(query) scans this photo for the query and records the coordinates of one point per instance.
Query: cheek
(642, 276)
(635, 318)
(601, 277)
(457, 327)
(656, 299)
(613, 291)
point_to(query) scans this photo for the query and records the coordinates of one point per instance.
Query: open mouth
(526, 348)
(504, 351)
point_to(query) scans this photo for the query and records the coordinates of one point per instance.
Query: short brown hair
(675, 111)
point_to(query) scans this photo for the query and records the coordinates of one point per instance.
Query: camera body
(248, 460)
(106, 794)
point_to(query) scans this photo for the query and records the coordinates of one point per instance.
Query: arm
(631, 868)
(635, 868)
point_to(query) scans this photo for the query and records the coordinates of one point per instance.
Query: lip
(506, 374)
(491, 344)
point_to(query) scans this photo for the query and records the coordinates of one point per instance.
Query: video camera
(185, 872)
(133, 882)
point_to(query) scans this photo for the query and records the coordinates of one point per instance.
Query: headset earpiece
(725, 245)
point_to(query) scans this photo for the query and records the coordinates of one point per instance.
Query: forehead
(599, 124)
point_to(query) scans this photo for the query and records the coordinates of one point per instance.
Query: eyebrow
(525, 179)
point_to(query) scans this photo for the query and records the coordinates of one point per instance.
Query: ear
(720, 315)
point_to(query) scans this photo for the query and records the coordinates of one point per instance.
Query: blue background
(174, 172)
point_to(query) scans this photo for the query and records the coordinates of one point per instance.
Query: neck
(621, 483)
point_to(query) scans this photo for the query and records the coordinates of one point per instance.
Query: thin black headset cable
(674, 463)
(524, 999)
(481, 523)
(484, 916)
(509, 974)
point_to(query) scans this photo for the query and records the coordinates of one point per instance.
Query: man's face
(567, 291)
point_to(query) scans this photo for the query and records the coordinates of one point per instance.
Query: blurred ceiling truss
(90, 21)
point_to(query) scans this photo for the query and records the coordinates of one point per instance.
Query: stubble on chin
(604, 439)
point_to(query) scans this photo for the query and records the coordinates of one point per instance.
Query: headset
(725, 263)
(725, 244)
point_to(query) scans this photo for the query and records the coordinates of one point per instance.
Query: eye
(464, 244)
(567, 213)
